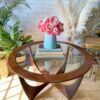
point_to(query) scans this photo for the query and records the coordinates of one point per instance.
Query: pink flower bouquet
(51, 25)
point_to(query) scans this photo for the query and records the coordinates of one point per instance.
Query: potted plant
(12, 39)
(5, 14)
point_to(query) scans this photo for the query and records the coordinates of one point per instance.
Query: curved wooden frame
(67, 90)
(88, 61)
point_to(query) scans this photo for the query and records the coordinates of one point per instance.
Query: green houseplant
(13, 34)
(9, 41)
(7, 8)
(13, 38)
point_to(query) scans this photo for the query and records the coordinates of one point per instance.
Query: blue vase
(50, 41)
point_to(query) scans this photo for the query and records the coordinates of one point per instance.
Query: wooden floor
(88, 90)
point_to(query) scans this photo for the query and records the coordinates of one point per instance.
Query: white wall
(29, 18)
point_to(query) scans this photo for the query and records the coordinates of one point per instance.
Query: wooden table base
(67, 90)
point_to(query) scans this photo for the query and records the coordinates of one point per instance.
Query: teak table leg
(69, 90)
(31, 91)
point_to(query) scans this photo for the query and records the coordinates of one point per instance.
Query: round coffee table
(51, 70)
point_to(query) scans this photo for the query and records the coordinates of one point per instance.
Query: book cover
(52, 55)
(48, 56)
(49, 53)
(42, 49)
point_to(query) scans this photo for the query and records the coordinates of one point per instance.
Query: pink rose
(49, 28)
(40, 24)
(43, 22)
(51, 25)
(54, 21)
(46, 20)
(56, 31)
(60, 27)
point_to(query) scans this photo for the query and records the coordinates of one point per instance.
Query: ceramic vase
(50, 41)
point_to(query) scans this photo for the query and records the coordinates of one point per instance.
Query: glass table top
(50, 61)
(66, 63)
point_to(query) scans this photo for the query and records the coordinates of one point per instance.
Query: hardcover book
(48, 56)
(58, 49)
(49, 53)
(46, 53)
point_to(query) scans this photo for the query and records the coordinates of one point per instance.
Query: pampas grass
(75, 16)
(93, 22)
(85, 15)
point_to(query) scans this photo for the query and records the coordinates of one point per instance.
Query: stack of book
(49, 53)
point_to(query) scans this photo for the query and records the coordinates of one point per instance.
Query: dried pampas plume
(75, 16)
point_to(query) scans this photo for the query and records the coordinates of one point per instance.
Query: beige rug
(10, 89)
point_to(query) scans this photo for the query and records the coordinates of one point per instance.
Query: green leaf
(6, 43)
(4, 34)
(16, 24)
(27, 39)
(1, 28)
(19, 43)
(4, 14)
(5, 21)
(15, 3)
(14, 28)
(12, 36)
(16, 36)
(14, 33)
(6, 52)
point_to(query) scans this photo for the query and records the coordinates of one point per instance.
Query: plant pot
(4, 71)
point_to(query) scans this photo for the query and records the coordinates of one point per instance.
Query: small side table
(60, 75)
